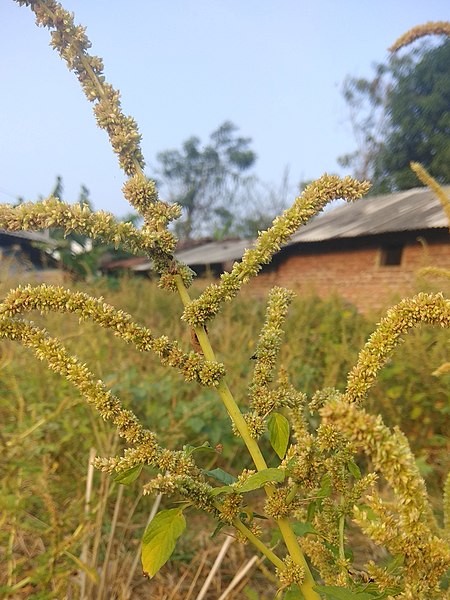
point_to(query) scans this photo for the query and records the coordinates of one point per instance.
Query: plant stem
(223, 389)
(290, 539)
(87, 503)
(233, 410)
(110, 543)
(341, 537)
(341, 531)
(274, 559)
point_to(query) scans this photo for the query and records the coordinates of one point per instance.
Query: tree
(206, 181)
(399, 116)
(261, 203)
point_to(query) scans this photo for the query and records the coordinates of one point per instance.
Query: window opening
(391, 255)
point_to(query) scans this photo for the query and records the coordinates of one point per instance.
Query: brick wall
(354, 268)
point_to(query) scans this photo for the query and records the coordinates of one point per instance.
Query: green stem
(80, 55)
(290, 539)
(341, 537)
(223, 389)
(341, 531)
(239, 525)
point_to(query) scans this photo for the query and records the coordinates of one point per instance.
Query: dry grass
(46, 523)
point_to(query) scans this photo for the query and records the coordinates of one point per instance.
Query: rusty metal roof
(410, 210)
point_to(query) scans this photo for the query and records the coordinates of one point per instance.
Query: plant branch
(256, 454)
(45, 298)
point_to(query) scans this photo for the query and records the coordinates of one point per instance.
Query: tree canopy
(402, 115)
(206, 180)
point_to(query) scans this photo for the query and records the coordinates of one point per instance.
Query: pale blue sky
(273, 67)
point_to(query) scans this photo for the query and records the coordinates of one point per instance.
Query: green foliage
(257, 480)
(184, 413)
(206, 180)
(419, 122)
(279, 428)
(159, 539)
(129, 476)
(399, 116)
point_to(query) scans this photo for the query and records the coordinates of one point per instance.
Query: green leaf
(372, 588)
(159, 539)
(220, 525)
(127, 477)
(300, 528)
(354, 469)
(312, 506)
(325, 486)
(395, 564)
(205, 447)
(293, 593)
(278, 427)
(221, 476)
(333, 592)
(223, 489)
(257, 480)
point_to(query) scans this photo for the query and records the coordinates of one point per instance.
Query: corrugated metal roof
(205, 254)
(214, 252)
(410, 210)
(32, 236)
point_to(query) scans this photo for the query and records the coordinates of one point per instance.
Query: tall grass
(48, 431)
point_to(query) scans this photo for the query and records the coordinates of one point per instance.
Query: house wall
(354, 269)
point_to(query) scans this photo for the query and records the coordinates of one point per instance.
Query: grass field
(58, 539)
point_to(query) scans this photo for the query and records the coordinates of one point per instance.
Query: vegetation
(399, 116)
(48, 432)
(322, 466)
(210, 183)
(205, 181)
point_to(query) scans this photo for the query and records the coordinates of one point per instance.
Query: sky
(275, 68)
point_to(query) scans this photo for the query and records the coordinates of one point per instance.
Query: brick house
(368, 252)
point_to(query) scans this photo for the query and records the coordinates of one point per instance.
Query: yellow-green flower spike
(71, 42)
(315, 197)
(433, 309)
(100, 224)
(45, 298)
